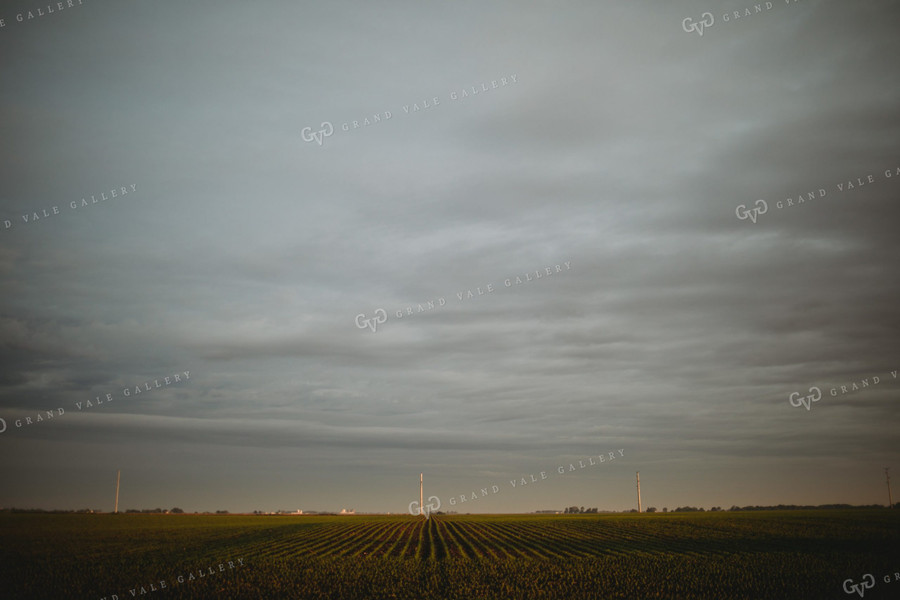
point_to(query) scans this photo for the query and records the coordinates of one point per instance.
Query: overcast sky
(620, 144)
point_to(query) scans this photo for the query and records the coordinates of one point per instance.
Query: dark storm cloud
(624, 147)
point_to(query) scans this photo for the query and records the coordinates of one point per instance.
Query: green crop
(721, 556)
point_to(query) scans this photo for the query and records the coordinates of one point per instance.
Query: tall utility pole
(639, 490)
(421, 497)
(118, 476)
(888, 477)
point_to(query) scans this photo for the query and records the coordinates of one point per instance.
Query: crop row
(694, 556)
(448, 537)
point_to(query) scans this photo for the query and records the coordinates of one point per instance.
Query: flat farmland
(723, 555)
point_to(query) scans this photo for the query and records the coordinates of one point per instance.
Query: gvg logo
(706, 20)
(319, 136)
(434, 504)
(743, 213)
(861, 587)
(814, 396)
(815, 393)
(372, 323)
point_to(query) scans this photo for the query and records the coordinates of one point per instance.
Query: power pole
(888, 477)
(118, 476)
(421, 497)
(639, 490)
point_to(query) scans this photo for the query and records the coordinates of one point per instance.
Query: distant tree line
(175, 510)
(808, 507)
(571, 510)
(574, 510)
(49, 512)
(776, 507)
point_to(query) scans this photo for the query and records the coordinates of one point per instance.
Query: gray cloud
(245, 253)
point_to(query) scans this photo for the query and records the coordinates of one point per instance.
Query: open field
(791, 554)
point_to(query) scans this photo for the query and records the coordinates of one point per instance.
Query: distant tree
(176, 511)
(715, 509)
(651, 509)
(221, 512)
(633, 510)
(665, 509)
(582, 509)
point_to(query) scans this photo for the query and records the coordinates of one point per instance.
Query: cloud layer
(623, 147)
